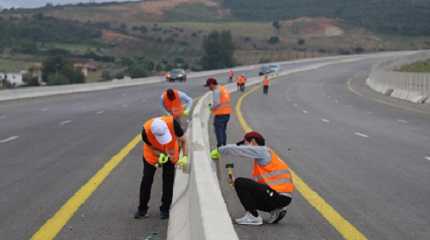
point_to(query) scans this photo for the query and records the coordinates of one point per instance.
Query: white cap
(161, 131)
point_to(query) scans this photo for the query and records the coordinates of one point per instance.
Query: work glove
(215, 154)
(182, 162)
(186, 113)
(162, 159)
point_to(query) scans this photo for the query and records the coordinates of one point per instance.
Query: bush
(274, 40)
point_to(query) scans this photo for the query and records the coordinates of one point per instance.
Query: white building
(14, 79)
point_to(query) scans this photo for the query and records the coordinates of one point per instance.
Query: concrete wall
(414, 87)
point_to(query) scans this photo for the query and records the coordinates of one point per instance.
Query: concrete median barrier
(413, 87)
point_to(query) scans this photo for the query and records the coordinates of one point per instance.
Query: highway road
(51, 146)
(366, 157)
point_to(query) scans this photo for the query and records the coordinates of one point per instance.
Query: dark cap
(253, 135)
(211, 81)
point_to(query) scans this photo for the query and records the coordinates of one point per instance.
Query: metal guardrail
(413, 87)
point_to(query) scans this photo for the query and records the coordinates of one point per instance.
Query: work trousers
(265, 90)
(220, 126)
(146, 185)
(256, 196)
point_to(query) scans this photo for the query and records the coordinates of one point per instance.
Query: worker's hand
(182, 162)
(163, 158)
(186, 113)
(215, 154)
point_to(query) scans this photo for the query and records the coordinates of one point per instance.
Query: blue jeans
(220, 126)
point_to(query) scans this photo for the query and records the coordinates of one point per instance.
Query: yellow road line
(54, 225)
(345, 228)
(350, 88)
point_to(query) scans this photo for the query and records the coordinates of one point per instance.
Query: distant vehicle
(267, 69)
(176, 74)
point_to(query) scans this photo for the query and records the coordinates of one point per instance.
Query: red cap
(211, 81)
(253, 135)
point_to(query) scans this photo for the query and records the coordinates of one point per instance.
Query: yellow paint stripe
(345, 228)
(54, 225)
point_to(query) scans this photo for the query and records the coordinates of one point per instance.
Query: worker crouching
(272, 189)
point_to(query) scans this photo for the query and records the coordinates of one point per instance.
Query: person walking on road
(163, 139)
(240, 82)
(272, 189)
(266, 83)
(221, 109)
(230, 75)
(176, 103)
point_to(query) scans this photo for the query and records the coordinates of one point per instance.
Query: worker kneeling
(272, 189)
(163, 139)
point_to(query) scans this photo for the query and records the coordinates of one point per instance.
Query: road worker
(163, 139)
(266, 83)
(230, 75)
(272, 189)
(240, 82)
(220, 109)
(176, 103)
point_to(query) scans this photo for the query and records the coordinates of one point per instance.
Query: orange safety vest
(171, 149)
(241, 80)
(266, 81)
(175, 107)
(224, 108)
(276, 175)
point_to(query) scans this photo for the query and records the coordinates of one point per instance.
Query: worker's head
(253, 138)
(211, 83)
(170, 94)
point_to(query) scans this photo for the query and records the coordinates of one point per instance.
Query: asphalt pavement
(367, 159)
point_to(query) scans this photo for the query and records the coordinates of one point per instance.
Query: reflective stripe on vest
(276, 175)
(175, 107)
(224, 107)
(172, 148)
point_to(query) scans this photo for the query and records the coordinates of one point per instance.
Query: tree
(277, 26)
(57, 71)
(218, 50)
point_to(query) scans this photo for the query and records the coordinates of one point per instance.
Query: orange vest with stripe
(276, 175)
(266, 81)
(175, 107)
(224, 108)
(241, 80)
(171, 148)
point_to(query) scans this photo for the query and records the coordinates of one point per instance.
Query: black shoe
(164, 215)
(141, 214)
(281, 216)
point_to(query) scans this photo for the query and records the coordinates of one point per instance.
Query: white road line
(369, 113)
(65, 122)
(329, 96)
(427, 158)
(336, 101)
(325, 120)
(2, 116)
(100, 112)
(44, 109)
(124, 105)
(295, 105)
(402, 121)
(305, 112)
(361, 134)
(10, 139)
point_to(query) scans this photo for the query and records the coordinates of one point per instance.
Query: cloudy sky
(39, 3)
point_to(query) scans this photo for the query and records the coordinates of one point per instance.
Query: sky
(40, 3)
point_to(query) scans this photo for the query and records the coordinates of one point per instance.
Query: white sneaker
(276, 215)
(249, 219)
